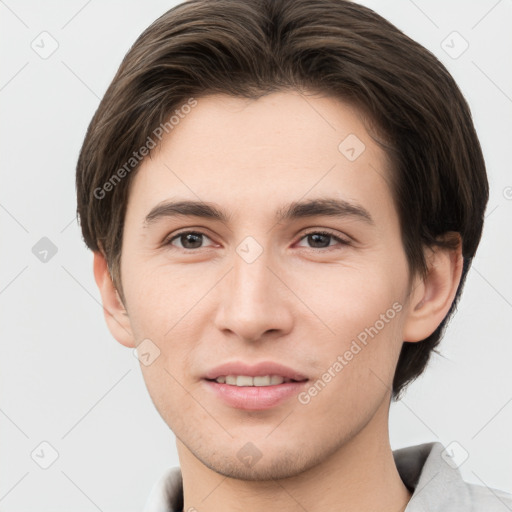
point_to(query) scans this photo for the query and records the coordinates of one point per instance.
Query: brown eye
(188, 240)
(322, 239)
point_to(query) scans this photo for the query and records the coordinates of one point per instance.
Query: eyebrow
(329, 207)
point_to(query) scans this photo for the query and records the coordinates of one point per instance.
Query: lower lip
(255, 397)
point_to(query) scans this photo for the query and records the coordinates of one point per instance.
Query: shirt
(428, 470)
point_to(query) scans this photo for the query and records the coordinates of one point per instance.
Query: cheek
(161, 298)
(350, 300)
(363, 312)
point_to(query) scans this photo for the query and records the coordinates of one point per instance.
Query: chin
(262, 467)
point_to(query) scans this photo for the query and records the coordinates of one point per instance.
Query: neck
(360, 475)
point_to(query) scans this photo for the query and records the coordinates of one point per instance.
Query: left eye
(319, 237)
(193, 239)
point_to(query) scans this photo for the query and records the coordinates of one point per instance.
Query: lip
(254, 397)
(256, 370)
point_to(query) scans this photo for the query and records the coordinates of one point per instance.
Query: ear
(432, 297)
(116, 316)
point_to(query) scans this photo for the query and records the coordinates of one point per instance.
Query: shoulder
(488, 499)
(167, 493)
(432, 473)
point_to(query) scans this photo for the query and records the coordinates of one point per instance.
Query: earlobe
(116, 316)
(431, 298)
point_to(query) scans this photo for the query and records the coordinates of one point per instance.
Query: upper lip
(255, 370)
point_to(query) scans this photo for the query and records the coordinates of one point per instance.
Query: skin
(298, 304)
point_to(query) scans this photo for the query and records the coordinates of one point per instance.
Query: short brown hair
(250, 48)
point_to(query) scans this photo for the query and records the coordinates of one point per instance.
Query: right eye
(187, 239)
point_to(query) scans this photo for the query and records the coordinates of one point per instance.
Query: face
(322, 290)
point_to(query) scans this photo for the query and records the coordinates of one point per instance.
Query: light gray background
(65, 381)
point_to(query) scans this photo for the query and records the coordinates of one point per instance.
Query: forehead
(276, 149)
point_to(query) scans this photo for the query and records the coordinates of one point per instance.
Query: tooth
(244, 380)
(262, 381)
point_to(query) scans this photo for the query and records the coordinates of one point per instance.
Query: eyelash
(341, 241)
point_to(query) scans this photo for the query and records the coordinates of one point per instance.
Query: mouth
(247, 395)
(254, 387)
(257, 381)
(264, 373)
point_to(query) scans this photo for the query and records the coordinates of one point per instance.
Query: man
(283, 199)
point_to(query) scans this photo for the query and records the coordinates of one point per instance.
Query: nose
(254, 302)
